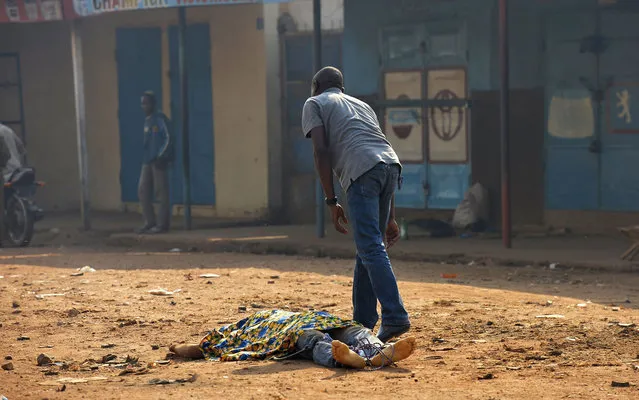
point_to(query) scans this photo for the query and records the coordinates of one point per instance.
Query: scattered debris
(61, 388)
(156, 381)
(441, 349)
(132, 360)
(155, 347)
(15, 304)
(515, 349)
(107, 358)
(108, 346)
(44, 360)
(23, 338)
(127, 322)
(72, 313)
(241, 309)
(44, 296)
(209, 276)
(73, 380)
(486, 377)
(134, 371)
(439, 340)
(271, 282)
(188, 277)
(620, 384)
(551, 316)
(86, 269)
(7, 366)
(616, 309)
(164, 292)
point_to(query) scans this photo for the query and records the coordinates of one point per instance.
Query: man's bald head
(327, 78)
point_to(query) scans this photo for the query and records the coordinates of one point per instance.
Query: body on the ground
(319, 336)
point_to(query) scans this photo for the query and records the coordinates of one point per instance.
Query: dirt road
(482, 324)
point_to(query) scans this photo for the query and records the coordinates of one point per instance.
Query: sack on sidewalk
(473, 210)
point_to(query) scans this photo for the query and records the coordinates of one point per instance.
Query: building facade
(431, 70)
(125, 53)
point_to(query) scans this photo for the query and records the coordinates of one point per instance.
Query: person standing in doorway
(348, 140)
(154, 177)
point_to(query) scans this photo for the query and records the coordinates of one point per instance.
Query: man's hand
(392, 233)
(339, 218)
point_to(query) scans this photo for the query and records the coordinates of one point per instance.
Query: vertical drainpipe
(80, 122)
(504, 100)
(317, 65)
(184, 116)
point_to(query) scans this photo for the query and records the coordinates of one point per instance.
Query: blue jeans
(369, 202)
(317, 346)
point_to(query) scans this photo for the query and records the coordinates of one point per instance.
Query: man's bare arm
(322, 156)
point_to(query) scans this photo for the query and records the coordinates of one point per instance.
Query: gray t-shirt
(356, 141)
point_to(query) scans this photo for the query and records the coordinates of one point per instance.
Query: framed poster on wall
(404, 126)
(447, 125)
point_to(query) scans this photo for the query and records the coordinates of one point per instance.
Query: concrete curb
(291, 248)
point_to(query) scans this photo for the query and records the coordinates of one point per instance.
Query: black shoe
(144, 229)
(389, 332)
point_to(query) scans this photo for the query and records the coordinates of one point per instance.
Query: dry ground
(481, 323)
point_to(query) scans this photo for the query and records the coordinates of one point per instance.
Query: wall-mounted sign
(404, 128)
(447, 124)
(92, 7)
(571, 114)
(623, 107)
(30, 10)
(51, 10)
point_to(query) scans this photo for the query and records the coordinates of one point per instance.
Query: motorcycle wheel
(19, 222)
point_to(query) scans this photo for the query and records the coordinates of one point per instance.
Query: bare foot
(187, 351)
(345, 356)
(396, 352)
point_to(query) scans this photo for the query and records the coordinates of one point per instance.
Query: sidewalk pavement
(567, 251)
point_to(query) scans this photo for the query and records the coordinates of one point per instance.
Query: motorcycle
(20, 211)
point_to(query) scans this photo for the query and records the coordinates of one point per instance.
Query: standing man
(154, 178)
(348, 140)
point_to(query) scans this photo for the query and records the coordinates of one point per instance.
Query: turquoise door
(571, 118)
(424, 72)
(139, 67)
(202, 150)
(620, 127)
(592, 110)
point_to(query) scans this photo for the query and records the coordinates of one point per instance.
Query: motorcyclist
(17, 151)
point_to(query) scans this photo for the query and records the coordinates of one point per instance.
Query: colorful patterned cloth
(266, 334)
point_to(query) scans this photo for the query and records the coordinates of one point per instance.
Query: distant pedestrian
(154, 177)
(348, 140)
